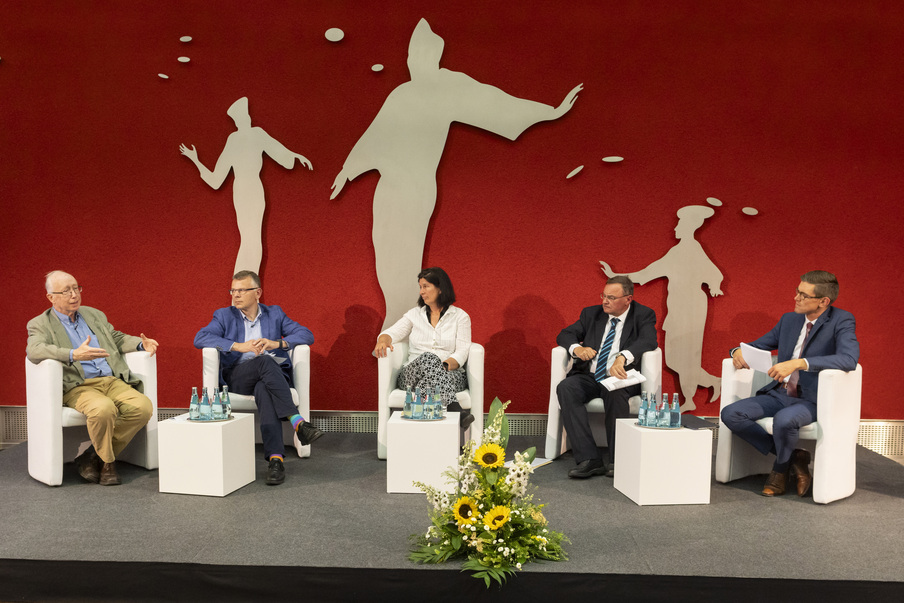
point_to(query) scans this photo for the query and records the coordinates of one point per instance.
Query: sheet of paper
(613, 383)
(537, 462)
(758, 360)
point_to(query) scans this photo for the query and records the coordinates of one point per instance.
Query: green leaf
(456, 542)
(495, 407)
(530, 454)
(504, 432)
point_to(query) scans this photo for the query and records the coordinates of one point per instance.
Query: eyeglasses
(68, 292)
(802, 295)
(612, 298)
(242, 291)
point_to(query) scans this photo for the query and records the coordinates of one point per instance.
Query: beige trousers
(115, 411)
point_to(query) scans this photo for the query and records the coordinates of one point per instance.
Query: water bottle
(194, 407)
(417, 408)
(205, 406)
(216, 409)
(227, 403)
(428, 406)
(642, 413)
(406, 409)
(439, 409)
(675, 413)
(664, 411)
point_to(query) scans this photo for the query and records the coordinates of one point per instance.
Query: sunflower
(490, 455)
(465, 510)
(496, 517)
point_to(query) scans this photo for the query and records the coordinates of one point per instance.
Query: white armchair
(556, 438)
(832, 438)
(300, 356)
(388, 397)
(50, 445)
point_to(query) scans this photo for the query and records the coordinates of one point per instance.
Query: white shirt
(800, 342)
(629, 357)
(451, 338)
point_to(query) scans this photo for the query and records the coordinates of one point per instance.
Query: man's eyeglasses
(802, 295)
(69, 292)
(611, 298)
(242, 291)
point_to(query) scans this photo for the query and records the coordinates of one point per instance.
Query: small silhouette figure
(405, 142)
(688, 268)
(243, 154)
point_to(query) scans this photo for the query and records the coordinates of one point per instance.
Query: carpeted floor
(333, 511)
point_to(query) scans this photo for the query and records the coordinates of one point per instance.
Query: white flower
(499, 549)
(518, 565)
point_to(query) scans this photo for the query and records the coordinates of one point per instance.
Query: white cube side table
(420, 451)
(663, 466)
(207, 458)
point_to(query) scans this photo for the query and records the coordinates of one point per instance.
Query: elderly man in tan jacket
(96, 379)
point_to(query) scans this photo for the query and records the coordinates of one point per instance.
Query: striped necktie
(603, 358)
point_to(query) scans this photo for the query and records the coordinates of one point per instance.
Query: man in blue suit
(254, 342)
(814, 337)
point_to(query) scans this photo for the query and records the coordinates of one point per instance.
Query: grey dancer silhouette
(405, 142)
(243, 154)
(688, 268)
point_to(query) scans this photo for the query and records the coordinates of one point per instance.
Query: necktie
(603, 358)
(791, 386)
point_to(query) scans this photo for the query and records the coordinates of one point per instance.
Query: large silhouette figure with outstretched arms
(243, 154)
(688, 268)
(405, 142)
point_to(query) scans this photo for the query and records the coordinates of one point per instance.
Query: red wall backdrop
(790, 108)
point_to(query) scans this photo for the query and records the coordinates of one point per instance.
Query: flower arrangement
(489, 517)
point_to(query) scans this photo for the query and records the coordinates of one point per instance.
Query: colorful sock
(295, 420)
(276, 456)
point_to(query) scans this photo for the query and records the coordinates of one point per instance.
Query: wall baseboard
(882, 437)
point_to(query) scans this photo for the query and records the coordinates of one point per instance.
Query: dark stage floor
(333, 512)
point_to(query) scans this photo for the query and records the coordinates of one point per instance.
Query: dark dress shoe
(88, 465)
(589, 468)
(307, 433)
(775, 484)
(465, 420)
(800, 470)
(276, 473)
(108, 475)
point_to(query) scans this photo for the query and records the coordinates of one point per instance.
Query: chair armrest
(210, 361)
(144, 366)
(651, 368)
(839, 403)
(301, 376)
(44, 420)
(474, 371)
(560, 363)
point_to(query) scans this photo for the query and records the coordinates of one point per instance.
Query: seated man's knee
(568, 391)
(145, 407)
(731, 415)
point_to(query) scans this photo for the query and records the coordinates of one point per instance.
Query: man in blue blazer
(633, 332)
(814, 337)
(254, 342)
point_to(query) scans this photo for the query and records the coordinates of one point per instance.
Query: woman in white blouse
(439, 336)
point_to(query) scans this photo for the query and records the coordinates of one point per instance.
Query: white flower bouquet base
(488, 518)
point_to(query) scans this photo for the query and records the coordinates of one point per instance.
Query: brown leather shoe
(775, 484)
(800, 470)
(108, 475)
(88, 465)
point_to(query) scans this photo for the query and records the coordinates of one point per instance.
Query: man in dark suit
(254, 342)
(96, 378)
(607, 340)
(814, 337)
